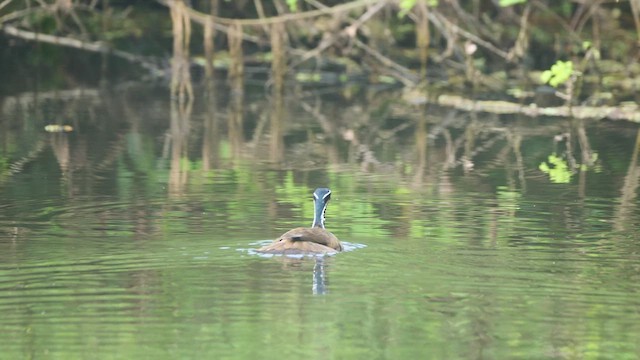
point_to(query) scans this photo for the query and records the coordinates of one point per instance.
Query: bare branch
(202, 18)
(97, 46)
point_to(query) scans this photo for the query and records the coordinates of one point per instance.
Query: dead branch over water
(458, 43)
(98, 46)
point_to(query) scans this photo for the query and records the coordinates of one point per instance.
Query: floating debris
(53, 128)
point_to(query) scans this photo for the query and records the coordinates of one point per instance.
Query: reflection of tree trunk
(179, 132)
(236, 68)
(278, 69)
(628, 191)
(445, 186)
(319, 275)
(276, 133)
(450, 150)
(586, 156)
(60, 145)
(585, 147)
(211, 138)
(235, 123)
(470, 134)
(236, 80)
(516, 145)
(421, 149)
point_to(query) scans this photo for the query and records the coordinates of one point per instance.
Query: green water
(113, 245)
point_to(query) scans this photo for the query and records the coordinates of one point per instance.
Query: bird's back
(304, 240)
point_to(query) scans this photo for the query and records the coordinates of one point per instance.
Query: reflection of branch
(585, 147)
(112, 153)
(9, 103)
(325, 124)
(17, 166)
(515, 141)
(627, 203)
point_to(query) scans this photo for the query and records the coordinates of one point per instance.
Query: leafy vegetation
(557, 169)
(559, 73)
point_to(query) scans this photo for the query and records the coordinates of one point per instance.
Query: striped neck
(320, 200)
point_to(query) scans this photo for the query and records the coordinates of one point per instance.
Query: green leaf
(293, 5)
(557, 169)
(544, 167)
(506, 3)
(559, 73)
(405, 7)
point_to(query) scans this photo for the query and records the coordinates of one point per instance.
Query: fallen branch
(98, 46)
(624, 112)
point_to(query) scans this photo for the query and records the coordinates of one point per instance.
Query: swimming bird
(313, 240)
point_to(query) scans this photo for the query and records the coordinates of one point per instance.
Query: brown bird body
(313, 240)
(304, 240)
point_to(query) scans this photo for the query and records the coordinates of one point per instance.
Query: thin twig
(404, 75)
(440, 21)
(349, 30)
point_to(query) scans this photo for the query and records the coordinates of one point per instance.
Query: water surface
(133, 235)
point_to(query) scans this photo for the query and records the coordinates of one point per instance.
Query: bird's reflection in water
(319, 285)
(320, 265)
(300, 261)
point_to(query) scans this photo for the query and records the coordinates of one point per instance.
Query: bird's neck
(319, 208)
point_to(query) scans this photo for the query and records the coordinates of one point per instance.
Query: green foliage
(507, 3)
(559, 73)
(293, 5)
(308, 77)
(557, 169)
(407, 5)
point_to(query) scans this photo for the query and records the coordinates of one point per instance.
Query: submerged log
(629, 112)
